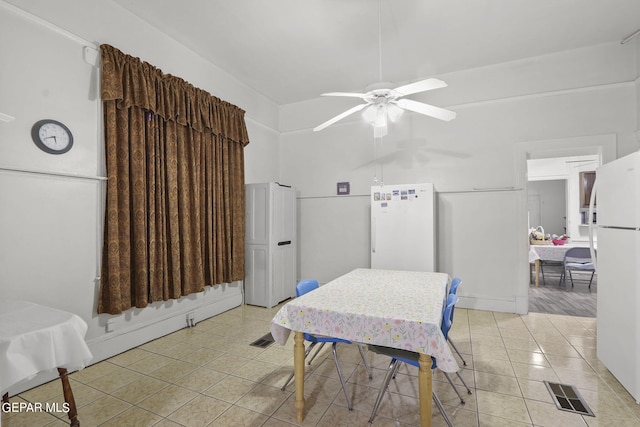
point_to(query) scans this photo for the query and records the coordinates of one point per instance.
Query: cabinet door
(284, 214)
(256, 281)
(284, 245)
(283, 273)
(257, 214)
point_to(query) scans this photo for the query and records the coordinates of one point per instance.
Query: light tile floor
(209, 375)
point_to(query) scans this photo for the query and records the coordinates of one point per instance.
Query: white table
(398, 309)
(34, 339)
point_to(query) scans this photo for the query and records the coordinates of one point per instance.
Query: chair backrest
(447, 316)
(455, 282)
(578, 255)
(454, 285)
(305, 286)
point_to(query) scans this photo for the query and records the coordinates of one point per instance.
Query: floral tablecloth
(399, 309)
(548, 252)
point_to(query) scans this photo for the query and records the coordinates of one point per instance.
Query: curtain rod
(60, 174)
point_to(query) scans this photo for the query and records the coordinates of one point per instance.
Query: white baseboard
(486, 304)
(108, 345)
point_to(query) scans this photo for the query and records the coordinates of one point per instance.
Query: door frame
(603, 145)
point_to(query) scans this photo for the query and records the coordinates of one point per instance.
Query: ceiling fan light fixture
(370, 114)
(394, 112)
(381, 116)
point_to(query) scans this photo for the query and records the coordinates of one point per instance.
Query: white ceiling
(293, 50)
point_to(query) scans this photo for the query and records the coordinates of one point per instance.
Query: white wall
(50, 226)
(636, 42)
(471, 160)
(552, 208)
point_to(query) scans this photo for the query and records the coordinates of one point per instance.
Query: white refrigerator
(618, 269)
(403, 227)
(270, 244)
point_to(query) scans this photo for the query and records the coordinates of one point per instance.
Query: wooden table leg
(425, 387)
(68, 397)
(537, 272)
(298, 369)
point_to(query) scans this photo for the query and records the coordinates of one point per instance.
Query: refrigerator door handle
(592, 225)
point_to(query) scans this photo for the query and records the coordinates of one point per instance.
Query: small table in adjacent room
(34, 339)
(539, 253)
(398, 309)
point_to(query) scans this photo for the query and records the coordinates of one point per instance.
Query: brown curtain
(174, 218)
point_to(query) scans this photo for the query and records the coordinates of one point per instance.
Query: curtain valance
(133, 82)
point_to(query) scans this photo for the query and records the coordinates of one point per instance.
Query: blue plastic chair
(302, 288)
(411, 358)
(455, 282)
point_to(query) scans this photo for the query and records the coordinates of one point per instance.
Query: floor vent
(567, 398)
(263, 342)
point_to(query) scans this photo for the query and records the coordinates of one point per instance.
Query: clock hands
(52, 136)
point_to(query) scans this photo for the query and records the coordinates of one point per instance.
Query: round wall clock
(51, 136)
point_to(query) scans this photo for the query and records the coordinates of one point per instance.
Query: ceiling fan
(382, 100)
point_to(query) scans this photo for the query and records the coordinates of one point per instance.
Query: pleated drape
(174, 219)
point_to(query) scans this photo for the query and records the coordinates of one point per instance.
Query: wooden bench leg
(68, 397)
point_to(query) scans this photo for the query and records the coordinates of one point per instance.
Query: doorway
(573, 154)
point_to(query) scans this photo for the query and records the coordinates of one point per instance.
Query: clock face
(52, 136)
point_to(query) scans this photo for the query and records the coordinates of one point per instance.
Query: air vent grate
(264, 341)
(567, 398)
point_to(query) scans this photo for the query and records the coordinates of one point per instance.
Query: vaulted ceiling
(293, 50)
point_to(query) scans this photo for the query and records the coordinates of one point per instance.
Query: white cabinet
(270, 244)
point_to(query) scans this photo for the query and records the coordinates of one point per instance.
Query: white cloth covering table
(551, 252)
(34, 339)
(399, 309)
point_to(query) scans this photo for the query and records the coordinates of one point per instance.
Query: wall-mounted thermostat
(343, 188)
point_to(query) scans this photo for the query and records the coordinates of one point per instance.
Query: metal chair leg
(442, 411)
(464, 362)
(591, 280)
(393, 366)
(344, 385)
(464, 383)
(364, 359)
(448, 377)
(306, 353)
(316, 353)
(571, 277)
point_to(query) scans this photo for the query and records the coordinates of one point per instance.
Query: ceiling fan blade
(351, 94)
(420, 86)
(426, 109)
(340, 117)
